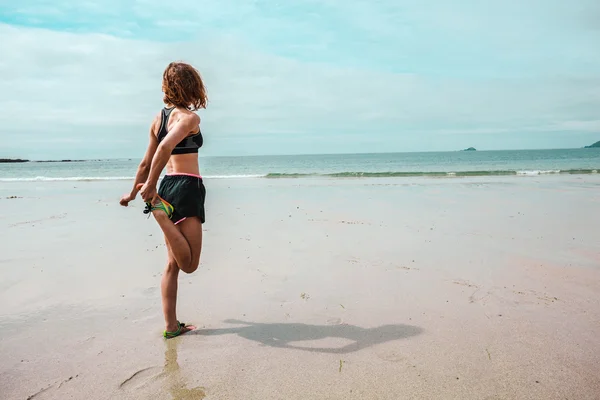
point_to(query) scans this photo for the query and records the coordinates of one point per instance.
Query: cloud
(296, 77)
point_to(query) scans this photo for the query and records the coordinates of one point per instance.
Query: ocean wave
(285, 175)
(536, 172)
(434, 174)
(233, 176)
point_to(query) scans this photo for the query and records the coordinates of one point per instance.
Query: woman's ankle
(172, 326)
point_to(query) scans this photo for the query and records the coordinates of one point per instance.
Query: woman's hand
(126, 199)
(148, 192)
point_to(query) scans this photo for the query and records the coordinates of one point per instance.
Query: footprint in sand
(53, 387)
(175, 385)
(141, 378)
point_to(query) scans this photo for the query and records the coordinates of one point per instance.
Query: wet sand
(308, 289)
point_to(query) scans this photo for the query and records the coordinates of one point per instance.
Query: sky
(83, 79)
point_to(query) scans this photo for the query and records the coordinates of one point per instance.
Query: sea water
(434, 164)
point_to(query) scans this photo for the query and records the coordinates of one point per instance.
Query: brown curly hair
(183, 87)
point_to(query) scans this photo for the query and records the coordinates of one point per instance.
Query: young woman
(178, 206)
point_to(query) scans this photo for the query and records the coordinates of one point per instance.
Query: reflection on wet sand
(175, 382)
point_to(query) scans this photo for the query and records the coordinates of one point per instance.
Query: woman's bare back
(179, 163)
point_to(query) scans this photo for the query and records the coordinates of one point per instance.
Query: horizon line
(62, 159)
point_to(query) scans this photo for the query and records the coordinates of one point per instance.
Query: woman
(178, 206)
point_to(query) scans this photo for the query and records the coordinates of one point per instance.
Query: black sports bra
(188, 145)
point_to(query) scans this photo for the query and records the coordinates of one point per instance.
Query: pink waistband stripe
(183, 173)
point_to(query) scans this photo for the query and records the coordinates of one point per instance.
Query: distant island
(19, 160)
(47, 161)
(12, 160)
(470, 149)
(595, 145)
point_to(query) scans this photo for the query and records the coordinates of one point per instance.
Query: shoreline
(337, 175)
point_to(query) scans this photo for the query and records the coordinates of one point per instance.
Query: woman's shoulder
(187, 116)
(155, 124)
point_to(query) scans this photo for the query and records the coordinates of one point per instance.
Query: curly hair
(183, 87)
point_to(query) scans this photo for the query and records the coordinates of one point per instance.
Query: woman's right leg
(184, 239)
(191, 229)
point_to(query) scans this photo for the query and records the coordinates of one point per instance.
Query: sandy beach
(313, 288)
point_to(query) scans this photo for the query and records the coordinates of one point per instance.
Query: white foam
(232, 176)
(537, 172)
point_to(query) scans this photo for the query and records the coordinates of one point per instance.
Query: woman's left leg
(168, 288)
(191, 229)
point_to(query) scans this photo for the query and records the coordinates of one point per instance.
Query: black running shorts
(186, 193)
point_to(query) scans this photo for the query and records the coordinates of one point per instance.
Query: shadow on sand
(281, 334)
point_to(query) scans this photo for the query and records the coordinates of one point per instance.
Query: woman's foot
(180, 330)
(161, 205)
